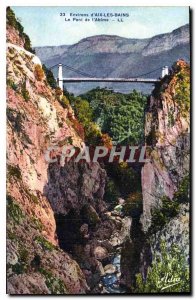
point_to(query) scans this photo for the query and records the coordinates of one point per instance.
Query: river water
(111, 282)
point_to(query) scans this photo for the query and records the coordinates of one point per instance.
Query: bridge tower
(60, 76)
(165, 71)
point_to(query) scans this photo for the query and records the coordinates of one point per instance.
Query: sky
(46, 27)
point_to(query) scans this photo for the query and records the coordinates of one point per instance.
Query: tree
(119, 115)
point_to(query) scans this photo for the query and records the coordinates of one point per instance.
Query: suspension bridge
(89, 78)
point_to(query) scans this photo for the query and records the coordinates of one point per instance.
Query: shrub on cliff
(161, 216)
(182, 86)
(183, 193)
(92, 134)
(25, 92)
(64, 102)
(168, 273)
(39, 73)
(11, 20)
(170, 208)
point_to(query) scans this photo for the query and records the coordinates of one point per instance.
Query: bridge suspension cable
(74, 70)
(149, 72)
(89, 78)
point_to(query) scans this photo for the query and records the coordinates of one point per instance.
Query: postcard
(98, 150)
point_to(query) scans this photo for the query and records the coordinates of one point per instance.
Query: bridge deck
(85, 79)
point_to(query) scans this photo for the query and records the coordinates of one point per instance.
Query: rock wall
(167, 134)
(176, 232)
(56, 212)
(38, 192)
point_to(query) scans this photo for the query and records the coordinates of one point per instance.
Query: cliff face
(38, 192)
(167, 131)
(165, 218)
(168, 41)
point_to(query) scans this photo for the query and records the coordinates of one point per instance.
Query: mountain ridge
(117, 37)
(101, 56)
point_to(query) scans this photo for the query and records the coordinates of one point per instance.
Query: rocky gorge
(62, 235)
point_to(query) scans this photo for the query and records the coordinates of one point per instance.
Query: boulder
(100, 253)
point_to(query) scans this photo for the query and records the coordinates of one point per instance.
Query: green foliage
(54, 284)
(16, 119)
(22, 265)
(119, 115)
(37, 223)
(19, 268)
(11, 20)
(182, 87)
(25, 92)
(50, 77)
(11, 235)
(92, 134)
(161, 216)
(169, 273)
(23, 254)
(13, 171)
(64, 102)
(11, 84)
(183, 193)
(84, 114)
(111, 192)
(31, 196)
(13, 209)
(27, 43)
(171, 119)
(83, 111)
(133, 206)
(46, 245)
(69, 96)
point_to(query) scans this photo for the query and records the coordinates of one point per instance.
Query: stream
(111, 281)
